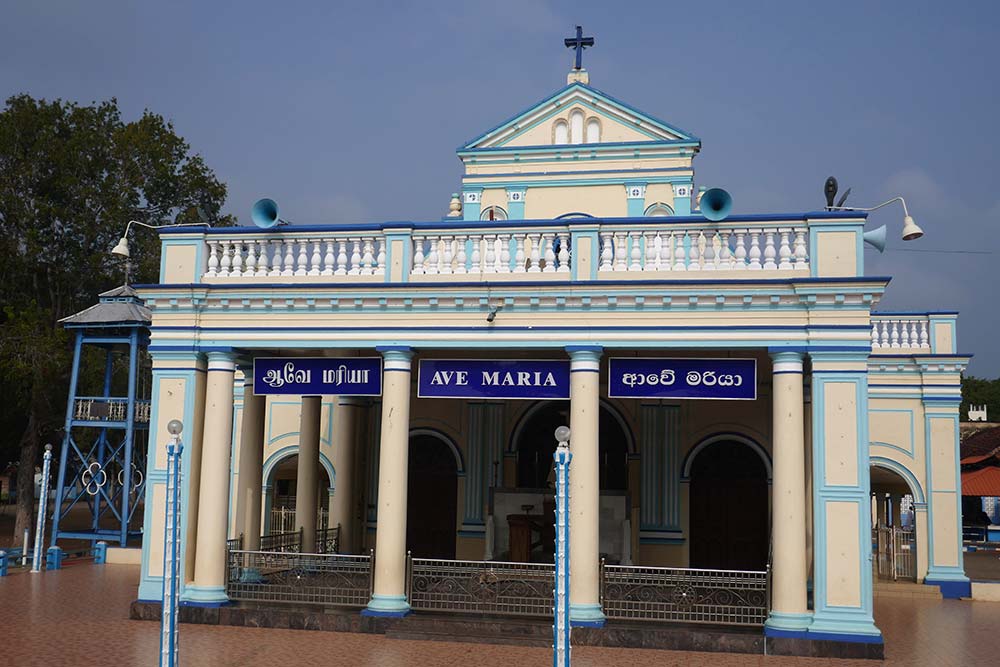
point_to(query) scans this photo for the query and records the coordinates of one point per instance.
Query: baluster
(634, 241)
(535, 256)
(519, 253)
(914, 335)
(355, 265)
(680, 260)
(302, 260)
(885, 333)
(695, 254)
(251, 262)
(754, 249)
(288, 267)
(315, 258)
(329, 258)
(904, 334)
(341, 257)
(924, 338)
(275, 246)
(894, 336)
(710, 254)
(725, 254)
(213, 259)
(461, 255)
(226, 260)
(476, 240)
(548, 252)
(368, 257)
(651, 255)
(380, 257)
(784, 252)
(418, 256)
(262, 259)
(667, 252)
(875, 342)
(504, 240)
(801, 255)
(621, 253)
(447, 254)
(740, 258)
(606, 252)
(490, 261)
(564, 253)
(432, 256)
(769, 251)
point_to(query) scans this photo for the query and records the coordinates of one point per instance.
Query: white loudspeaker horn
(876, 238)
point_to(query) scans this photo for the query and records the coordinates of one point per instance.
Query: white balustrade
(250, 258)
(892, 332)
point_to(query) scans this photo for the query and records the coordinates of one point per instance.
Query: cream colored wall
(596, 200)
(659, 192)
(835, 254)
(543, 133)
(670, 165)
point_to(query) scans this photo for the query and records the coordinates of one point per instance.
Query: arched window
(658, 210)
(493, 213)
(593, 131)
(576, 127)
(560, 132)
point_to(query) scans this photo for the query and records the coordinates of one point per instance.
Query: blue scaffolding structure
(102, 461)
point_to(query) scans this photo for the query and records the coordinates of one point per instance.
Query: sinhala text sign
(720, 379)
(318, 376)
(501, 378)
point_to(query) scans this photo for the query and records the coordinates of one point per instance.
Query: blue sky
(306, 102)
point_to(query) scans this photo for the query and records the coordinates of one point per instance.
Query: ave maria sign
(508, 378)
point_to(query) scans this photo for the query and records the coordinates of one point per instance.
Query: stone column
(389, 595)
(307, 476)
(896, 510)
(789, 610)
(209, 586)
(880, 513)
(585, 491)
(345, 417)
(251, 465)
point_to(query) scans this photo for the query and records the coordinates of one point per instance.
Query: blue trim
(951, 590)
(862, 346)
(520, 174)
(823, 636)
(902, 471)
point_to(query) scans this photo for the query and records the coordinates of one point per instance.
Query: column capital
(221, 360)
(785, 361)
(584, 358)
(396, 357)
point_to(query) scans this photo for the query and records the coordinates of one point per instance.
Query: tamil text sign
(318, 376)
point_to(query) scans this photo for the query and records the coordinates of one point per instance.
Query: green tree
(71, 177)
(980, 391)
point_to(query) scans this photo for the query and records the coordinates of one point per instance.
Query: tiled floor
(78, 616)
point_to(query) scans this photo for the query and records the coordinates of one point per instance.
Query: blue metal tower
(102, 461)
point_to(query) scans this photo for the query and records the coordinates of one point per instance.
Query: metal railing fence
(323, 579)
(480, 587)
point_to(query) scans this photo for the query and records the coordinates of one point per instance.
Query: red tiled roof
(975, 459)
(983, 442)
(982, 482)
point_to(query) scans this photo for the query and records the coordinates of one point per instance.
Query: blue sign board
(318, 376)
(500, 378)
(720, 379)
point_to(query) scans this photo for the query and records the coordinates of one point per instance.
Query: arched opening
(593, 131)
(432, 497)
(535, 446)
(560, 132)
(658, 210)
(282, 482)
(493, 213)
(576, 127)
(894, 526)
(729, 508)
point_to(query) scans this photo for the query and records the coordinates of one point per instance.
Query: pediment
(578, 114)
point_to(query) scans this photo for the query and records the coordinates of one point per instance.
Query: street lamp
(911, 231)
(122, 250)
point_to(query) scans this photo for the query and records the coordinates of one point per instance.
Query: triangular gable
(646, 127)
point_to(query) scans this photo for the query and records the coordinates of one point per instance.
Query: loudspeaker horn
(265, 213)
(876, 238)
(716, 204)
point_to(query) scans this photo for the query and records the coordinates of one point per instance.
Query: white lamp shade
(121, 248)
(910, 229)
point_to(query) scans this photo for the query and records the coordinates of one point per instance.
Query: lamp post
(171, 548)
(911, 231)
(43, 501)
(122, 249)
(561, 627)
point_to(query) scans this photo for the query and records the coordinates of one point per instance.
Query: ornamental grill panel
(289, 542)
(481, 587)
(721, 597)
(326, 579)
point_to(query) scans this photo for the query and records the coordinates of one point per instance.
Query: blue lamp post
(561, 627)
(171, 548)
(43, 502)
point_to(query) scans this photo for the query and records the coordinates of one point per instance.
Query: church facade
(729, 384)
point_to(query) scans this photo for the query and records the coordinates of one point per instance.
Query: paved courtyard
(78, 616)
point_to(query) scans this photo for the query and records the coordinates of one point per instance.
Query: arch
(535, 407)
(459, 462)
(719, 437)
(560, 132)
(498, 213)
(658, 209)
(573, 214)
(576, 127)
(901, 470)
(277, 457)
(593, 130)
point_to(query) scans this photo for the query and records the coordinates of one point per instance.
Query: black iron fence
(322, 579)
(481, 587)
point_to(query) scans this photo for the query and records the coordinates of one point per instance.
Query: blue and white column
(561, 625)
(585, 492)
(171, 548)
(43, 503)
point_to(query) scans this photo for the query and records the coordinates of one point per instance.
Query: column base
(951, 587)
(779, 621)
(53, 558)
(205, 596)
(844, 627)
(387, 605)
(586, 616)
